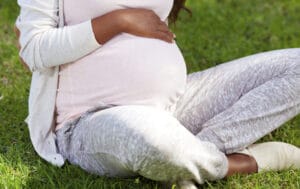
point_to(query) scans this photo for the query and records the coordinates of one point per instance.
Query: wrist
(119, 19)
(107, 26)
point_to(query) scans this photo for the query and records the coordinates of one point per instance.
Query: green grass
(218, 31)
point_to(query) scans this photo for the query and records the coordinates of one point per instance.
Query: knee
(290, 58)
(208, 135)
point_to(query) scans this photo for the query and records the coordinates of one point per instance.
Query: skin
(241, 164)
(145, 23)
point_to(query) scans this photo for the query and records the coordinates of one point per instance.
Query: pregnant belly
(125, 70)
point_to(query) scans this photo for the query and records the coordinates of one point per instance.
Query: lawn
(218, 31)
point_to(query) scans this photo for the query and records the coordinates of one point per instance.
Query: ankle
(241, 164)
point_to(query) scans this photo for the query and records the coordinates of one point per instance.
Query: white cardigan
(45, 45)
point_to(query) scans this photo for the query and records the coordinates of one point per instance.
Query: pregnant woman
(110, 92)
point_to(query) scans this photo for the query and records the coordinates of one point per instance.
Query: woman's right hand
(145, 23)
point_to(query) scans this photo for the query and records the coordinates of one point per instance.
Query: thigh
(131, 140)
(211, 91)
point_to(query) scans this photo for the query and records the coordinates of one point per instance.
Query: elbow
(28, 63)
(17, 33)
(30, 60)
(30, 54)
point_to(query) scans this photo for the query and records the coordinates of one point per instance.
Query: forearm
(107, 26)
(40, 44)
(104, 27)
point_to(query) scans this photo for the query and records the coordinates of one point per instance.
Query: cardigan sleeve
(43, 43)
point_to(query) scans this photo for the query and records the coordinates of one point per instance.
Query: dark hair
(177, 7)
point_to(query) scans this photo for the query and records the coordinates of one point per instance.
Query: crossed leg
(132, 140)
(236, 103)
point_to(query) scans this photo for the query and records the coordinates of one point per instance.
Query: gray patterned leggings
(224, 109)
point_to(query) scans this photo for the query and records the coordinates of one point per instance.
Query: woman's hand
(140, 22)
(145, 23)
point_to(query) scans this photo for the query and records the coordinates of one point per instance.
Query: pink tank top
(125, 70)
